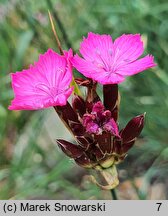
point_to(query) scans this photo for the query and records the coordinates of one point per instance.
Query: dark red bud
(79, 105)
(84, 161)
(84, 141)
(104, 142)
(132, 129)
(77, 128)
(70, 149)
(127, 146)
(117, 148)
(111, 97)
(66, 114)
(92, 96)
(96, 151)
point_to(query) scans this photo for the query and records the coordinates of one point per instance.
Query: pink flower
(109, 62)
(44, 84)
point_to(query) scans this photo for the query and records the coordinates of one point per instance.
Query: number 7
(159, 205)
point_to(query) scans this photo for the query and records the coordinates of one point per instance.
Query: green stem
(114, 195)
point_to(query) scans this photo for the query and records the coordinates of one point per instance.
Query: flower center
(44, 90)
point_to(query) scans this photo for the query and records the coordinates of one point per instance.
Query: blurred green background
(31, 165)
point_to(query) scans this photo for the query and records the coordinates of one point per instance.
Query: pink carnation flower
(44, 84)
(109, 62)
